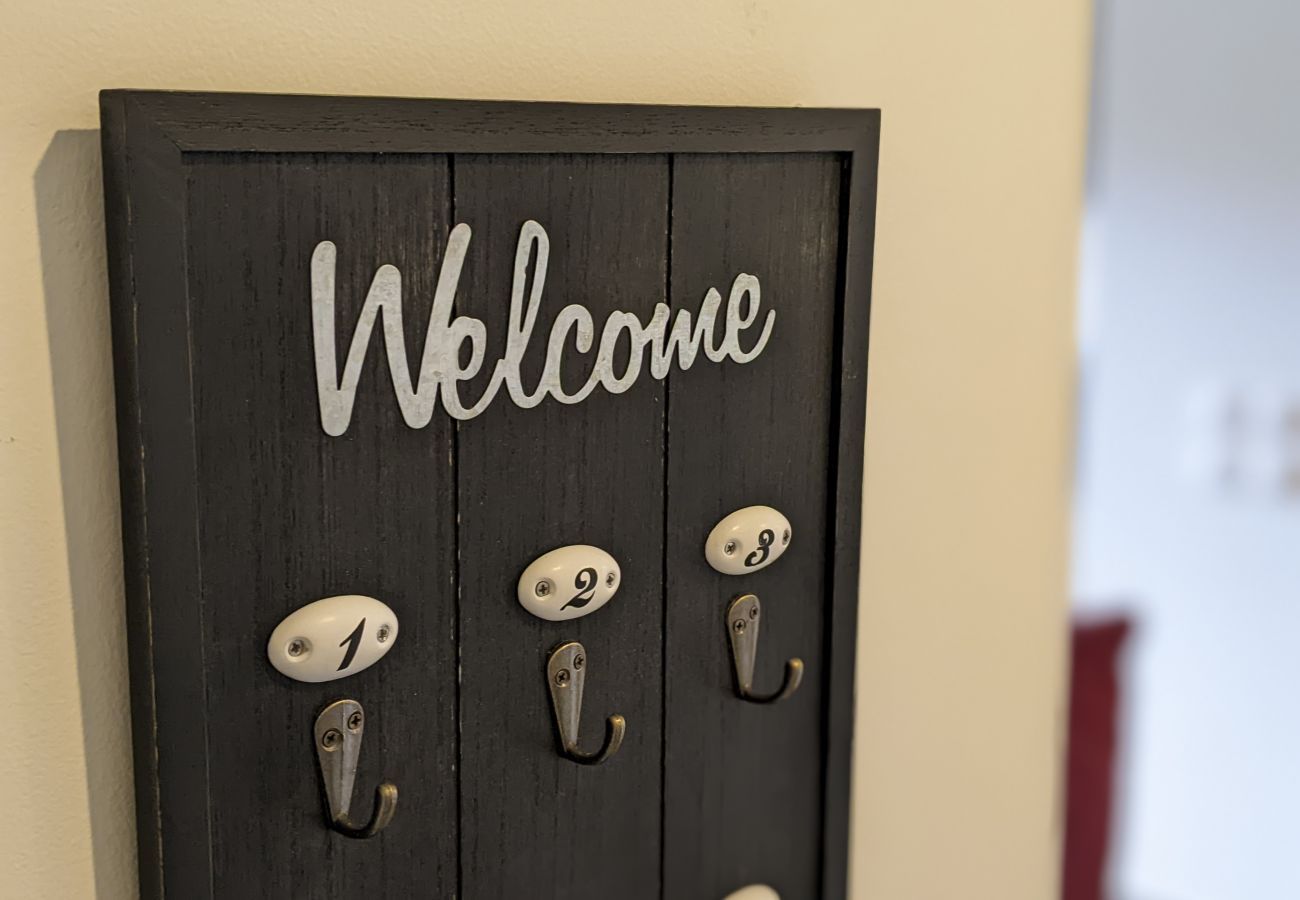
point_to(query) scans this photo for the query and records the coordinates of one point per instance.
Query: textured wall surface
(961, 660)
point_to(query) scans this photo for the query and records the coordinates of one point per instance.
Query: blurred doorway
(1188, 486)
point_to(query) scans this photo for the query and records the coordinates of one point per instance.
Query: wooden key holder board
(401, 349)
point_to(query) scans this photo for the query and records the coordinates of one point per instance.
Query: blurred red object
(1090, 769)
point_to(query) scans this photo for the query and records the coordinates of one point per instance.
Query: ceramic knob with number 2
(568, 582)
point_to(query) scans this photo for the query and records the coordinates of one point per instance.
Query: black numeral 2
(586, 585)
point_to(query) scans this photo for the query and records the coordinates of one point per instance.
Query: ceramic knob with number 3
(568, 582)
(747, 540)
(332, 638)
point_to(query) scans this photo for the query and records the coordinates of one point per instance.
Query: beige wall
(961, 660)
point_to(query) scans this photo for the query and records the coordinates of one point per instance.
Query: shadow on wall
(70, 222)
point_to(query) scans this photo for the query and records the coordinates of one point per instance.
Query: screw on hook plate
(742, 629)
(338, 731)
(566, 675)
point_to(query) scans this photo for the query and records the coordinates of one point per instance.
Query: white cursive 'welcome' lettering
(441, 367)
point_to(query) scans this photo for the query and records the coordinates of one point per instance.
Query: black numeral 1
(353, 641)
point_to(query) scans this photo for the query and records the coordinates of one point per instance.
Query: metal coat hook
(566, 671)
(743, 617)
(338, 746)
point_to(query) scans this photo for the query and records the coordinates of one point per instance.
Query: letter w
(337, 397)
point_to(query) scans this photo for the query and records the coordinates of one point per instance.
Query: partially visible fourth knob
(754, 892)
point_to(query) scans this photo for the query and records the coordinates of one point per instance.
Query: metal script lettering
(663, 337)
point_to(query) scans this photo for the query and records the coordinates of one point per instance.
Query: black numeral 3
(765, 539)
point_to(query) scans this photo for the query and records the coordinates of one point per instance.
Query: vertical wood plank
(535, 824)
(743, 782)
(289, 515)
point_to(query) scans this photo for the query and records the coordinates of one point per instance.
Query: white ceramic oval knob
(754, 892)
(747, 540)
(332, 638)
(569, 582)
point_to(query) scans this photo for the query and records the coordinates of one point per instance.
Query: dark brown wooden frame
(146, 134)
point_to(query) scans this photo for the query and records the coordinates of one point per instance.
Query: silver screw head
(562, 677)
(579, 661)
(785, 536)
(542, 588)
(354, 721)
(729, 548)
(740, 625)
(610, 579)
(297, 647)
(331, 739)
(382, 634)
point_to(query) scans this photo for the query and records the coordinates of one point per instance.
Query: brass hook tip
(615, 729)
(385, 809)
(793, 678)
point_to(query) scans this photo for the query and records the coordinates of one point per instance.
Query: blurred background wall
(964, 598)
(1189, 470)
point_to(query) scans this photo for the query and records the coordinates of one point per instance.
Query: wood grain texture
(535, 824)
(743, 782)
(289, 515)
